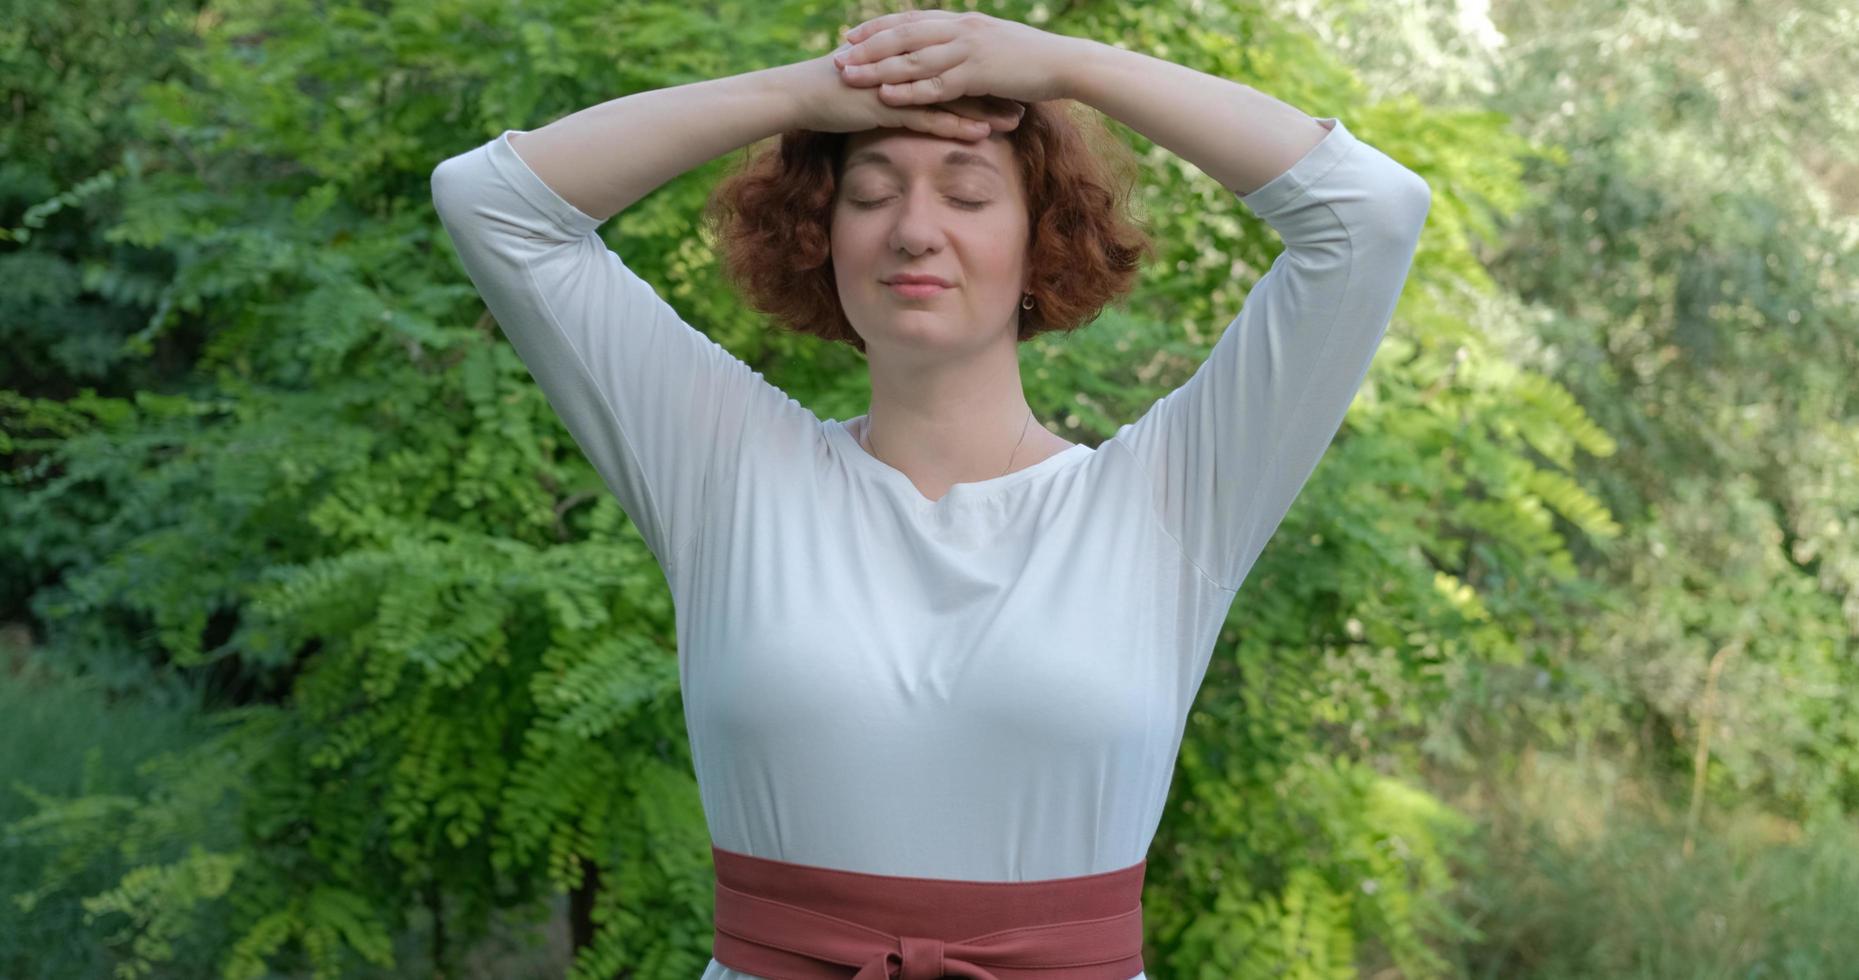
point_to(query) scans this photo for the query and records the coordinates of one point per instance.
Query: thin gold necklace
(1016, 446)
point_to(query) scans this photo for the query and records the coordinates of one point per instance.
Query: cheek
(842, 231)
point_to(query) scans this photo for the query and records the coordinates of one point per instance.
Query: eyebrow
(954, 158)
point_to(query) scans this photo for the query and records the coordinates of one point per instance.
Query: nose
(917, 227)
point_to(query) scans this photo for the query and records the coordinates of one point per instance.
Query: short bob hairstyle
(770, 218)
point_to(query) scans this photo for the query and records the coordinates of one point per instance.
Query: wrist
(783, 89)
(1078, 64)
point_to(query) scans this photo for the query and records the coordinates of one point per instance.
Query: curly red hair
(771, 215)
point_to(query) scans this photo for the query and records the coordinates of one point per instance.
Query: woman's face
(910, 202)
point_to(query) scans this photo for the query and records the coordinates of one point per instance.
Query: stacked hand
(927, 56)
(957, 75)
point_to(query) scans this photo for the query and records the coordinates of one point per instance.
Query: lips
(909, 278)
(917, 290)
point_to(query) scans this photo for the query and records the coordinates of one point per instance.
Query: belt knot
(919, 958)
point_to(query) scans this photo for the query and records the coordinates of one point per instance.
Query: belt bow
(880, 955)
(766, 927)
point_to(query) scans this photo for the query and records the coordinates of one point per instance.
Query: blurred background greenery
(327, 655)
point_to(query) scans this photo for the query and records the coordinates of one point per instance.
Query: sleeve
(1228, 451)
(661, 411)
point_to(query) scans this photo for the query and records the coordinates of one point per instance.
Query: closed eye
(971, 205)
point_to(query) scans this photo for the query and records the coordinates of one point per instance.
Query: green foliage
(464, 643)
(1675, 270)
(1681, 277)
(1587, 877)
(71, 757)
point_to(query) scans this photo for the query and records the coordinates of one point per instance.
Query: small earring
(1027, 303)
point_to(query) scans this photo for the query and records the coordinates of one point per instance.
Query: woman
(936, 661)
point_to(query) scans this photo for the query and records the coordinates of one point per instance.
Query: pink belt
(790, 921)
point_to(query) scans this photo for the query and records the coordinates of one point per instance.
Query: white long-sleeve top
(989, 686)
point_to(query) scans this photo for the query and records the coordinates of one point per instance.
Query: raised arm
(604, 158)
(1228, 451)
(661, 411)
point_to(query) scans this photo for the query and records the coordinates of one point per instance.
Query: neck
(865, 439)
(963, 422)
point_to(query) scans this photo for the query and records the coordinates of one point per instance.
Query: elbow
(450, 180)
(442, 182)
(1403, 209)
(1422, 195)
(1409, 201)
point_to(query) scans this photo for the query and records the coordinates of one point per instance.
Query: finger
(945, 124)
(876, 24)
(956, 126)
(913, 64)
(999, 108)
(995, 112)
(897, 40)
(923, 91)
(971, 117)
